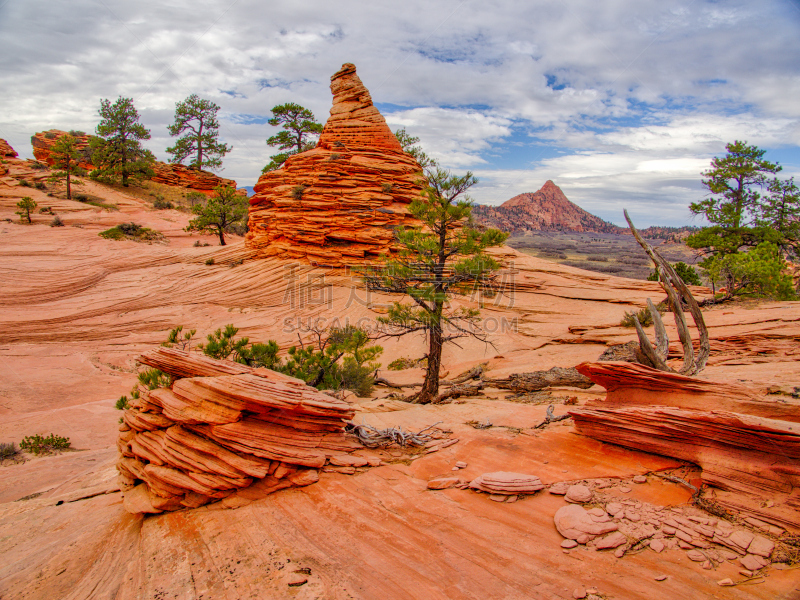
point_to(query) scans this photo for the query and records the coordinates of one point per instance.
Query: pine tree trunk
(430, 388)
(221, 236)
(69, 189)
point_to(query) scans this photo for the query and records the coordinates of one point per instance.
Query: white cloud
(621, 85)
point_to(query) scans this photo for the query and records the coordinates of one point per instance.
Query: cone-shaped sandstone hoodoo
(338, 203)
(6, 151)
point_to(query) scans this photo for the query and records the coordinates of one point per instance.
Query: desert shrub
(643, 314)
(597, 258)
(401, 364)
(39, 185)
(298, 191)
(335, 156)
(131, 231)
(239, 229)
(77, 133)
(161, 204)
(8, 450)
(685, 272)
(50, 136)
(56, 222)
(178, 338)
(122, 403)
(195, 198)
(386, 188)
(38, 165)
(209, 261)
(46, 210)
(25, 183)
(80, 197)
(37, 444)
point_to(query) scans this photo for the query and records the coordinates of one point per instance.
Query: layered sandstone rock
(43, 142)
(748, 447)
(6, 151)
(507, 484)
(338, 203)
(178, 175)
(221, 426)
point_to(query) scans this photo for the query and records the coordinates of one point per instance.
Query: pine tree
(66, 158)
(223, 210)
(197, 118)
(445, 257)
(25, 206)
(118, 150)
(409, 144)
(300, 129)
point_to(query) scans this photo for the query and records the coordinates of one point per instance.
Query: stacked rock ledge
(219, 428)
(339, 203)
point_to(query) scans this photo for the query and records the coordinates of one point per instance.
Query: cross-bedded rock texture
(221, 426)
(338, 203)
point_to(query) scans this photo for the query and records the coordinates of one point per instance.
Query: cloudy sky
(622, 103)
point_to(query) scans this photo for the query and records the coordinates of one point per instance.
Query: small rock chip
(640, 479)
(612, 540)
(683, 545)
(660, 577)
(591, 590)
(578, 494)
(614, 507)
(707, 565)
(624, 489)
(569, 544)
(497, 497)
(725, 582)
(296, 580)
(728, 555)
(741, 538)
(695, 555)
(454, 469)
(461, 464)
(579, 593)
(442, 483)
(668, 530)
(752, 562)
(657, 545)
(619, 552)
(596, 512)
(632, 516)
(559, 489)
(511, 499)
(583, 538)
(745, 572)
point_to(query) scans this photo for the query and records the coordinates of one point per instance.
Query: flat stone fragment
(442, 483)
(761, 546)
(624, 489)
(579, 593)
(612, 540)
(619, 552)
(569, 544)
(614, 507)
(296, 580)
(596, 512)
(511, 499)
(707, 565)
(640, 479)
(632, 516)
(461, 464)
(725, 582)
(510, 484)
(497, 497)
(660, 577)
(695, 555)
(741, 538)
(573, 522)
(584, 538)
(753, 562)
(578, 493)
(657, 545)
(559, 489)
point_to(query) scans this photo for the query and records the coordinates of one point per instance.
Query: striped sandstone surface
(338, 203)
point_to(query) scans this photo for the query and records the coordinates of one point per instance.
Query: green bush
(122, 403)
(686, 272)
(209, 261)
(153, 378)
(25, 183)
(400, 364)
(36, 444)
(38, 165)
(160, 204)
(644, 316)
(56, 222)
(131, 231)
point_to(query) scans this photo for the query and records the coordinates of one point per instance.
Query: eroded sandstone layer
(44, 141)
(178, 175)
(219, 427)
(748, 447)
(6, 151)
(338, 203)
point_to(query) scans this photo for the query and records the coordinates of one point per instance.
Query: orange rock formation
(43, 141)
(6, 151)
(178, 175)
(221, 426)
(746, 446)
(338, 203)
